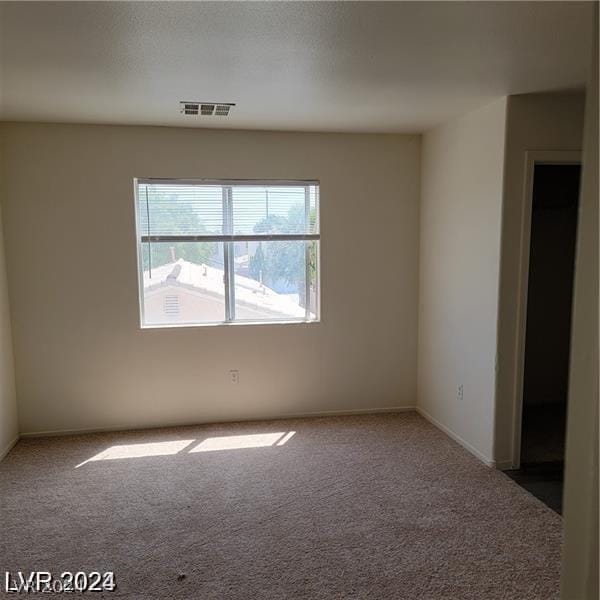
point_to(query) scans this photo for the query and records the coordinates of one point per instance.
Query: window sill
(228, 324)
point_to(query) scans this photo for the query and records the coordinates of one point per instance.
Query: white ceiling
(324, 66)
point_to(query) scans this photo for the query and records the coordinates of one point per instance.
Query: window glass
(223, 252)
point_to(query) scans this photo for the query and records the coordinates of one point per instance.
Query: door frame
(532, 158)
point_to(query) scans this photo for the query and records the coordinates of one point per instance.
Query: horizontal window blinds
(207, 211)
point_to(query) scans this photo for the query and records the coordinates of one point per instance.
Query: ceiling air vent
(206, 109)
(189, 108)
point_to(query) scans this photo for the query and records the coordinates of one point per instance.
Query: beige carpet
(370, 507)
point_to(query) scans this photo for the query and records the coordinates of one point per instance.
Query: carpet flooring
(368, 507)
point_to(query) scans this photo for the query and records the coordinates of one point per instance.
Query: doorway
(552, 242)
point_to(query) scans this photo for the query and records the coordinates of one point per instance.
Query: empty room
(299, 300)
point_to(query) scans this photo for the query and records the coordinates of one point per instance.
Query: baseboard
(504, 465)
(8, 447)
(482, 457)
(323, 413)
(357, 411)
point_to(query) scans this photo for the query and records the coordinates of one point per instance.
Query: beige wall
(534, 122)
(580, 550)
(81, 359)
(8, 402)
(462, 166)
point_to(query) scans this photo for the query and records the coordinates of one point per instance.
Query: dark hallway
(548, 331)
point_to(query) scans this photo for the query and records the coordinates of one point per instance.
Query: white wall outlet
(460, 392)
(234, 376)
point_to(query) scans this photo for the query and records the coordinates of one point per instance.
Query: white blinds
(188, 211)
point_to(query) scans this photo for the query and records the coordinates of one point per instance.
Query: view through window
(227, 251)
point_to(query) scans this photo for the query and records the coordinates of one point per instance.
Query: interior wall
(580, 550)
(462, 168)
(534, 122)
(8, 403)
(82, 361)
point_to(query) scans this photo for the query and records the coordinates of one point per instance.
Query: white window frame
(228, 239)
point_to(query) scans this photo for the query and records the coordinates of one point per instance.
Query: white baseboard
(357, 411)
(504, 465)
(8, 447)
(323, 413)
(482, 457)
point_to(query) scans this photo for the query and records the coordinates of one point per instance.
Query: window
(227, 251)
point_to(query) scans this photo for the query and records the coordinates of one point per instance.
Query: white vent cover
(171, 306)
(206, 109)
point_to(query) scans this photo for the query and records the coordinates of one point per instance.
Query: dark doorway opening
(548, 330)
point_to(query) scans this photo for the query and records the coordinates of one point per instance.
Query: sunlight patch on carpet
(139, 450)
(236, 442)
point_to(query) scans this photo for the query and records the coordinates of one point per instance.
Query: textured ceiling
(339, 66)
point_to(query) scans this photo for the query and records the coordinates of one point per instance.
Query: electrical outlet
(460, 392)
(234, 376)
